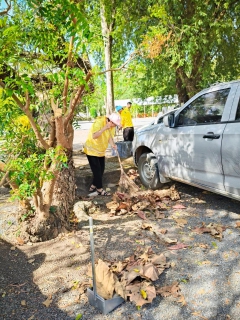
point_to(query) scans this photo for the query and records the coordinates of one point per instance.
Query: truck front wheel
(148, 171)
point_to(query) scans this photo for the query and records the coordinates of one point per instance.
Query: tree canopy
(52, 61)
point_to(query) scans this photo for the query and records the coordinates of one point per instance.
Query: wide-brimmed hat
(115, 118)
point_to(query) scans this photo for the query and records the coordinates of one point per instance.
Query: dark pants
(97, 165)
(128, 134)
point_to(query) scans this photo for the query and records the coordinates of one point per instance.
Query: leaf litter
(133, 278)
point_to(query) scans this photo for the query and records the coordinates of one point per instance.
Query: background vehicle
(197, 144)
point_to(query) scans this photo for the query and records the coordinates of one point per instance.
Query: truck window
(207, 108)
(238, 111)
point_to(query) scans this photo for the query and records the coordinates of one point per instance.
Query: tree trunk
(181, 86)
(106, 32)
(52, 217)
(109, 75)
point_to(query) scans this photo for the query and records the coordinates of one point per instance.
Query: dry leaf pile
(132, 278)
(142, 202)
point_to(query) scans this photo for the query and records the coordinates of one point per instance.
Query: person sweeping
(100, 135)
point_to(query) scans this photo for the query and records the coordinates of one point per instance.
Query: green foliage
(30, 173)
(27, 215)
(194, 40)
(93, 112)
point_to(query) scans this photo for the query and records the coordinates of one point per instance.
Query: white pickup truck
(198, 144)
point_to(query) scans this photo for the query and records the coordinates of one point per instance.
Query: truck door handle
(211, 135)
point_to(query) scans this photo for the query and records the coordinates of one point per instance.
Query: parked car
(197, 144)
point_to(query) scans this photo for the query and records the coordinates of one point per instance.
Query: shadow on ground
(20, 298)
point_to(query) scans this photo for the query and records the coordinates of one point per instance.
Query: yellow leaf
(136, 270)
(143, 294)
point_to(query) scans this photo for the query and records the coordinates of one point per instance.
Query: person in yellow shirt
(100, 135)
(126, 122)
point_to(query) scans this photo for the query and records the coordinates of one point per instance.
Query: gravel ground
(208, 270)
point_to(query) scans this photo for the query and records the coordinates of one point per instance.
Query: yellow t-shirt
(97, 147)
(126, 118)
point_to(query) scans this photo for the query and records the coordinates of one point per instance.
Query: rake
(125, 183)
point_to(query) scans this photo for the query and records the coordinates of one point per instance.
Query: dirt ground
(46, 280)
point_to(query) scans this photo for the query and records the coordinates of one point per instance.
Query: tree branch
(28, 113)
(132, 56)
(25, 108)
(76, 100)
(5, 11)
(66, 81)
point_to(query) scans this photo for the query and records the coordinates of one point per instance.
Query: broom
(125, 183)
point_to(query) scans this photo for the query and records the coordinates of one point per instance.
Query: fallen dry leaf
(182, 300)
(144, 256)
(141, 215)
(20, 241)
(162, 237)
(48, 301)
(146, 226)
(122, 205)
(159, 215)
(23, 303)
(179, 206)
(178, 246)
(141, 205)
(214, 229)
(150, 272)
(181, 221)
(163, 231)
(159, 259)
(237, 224)
(203, 245)
(134, 293)
(104, 280)
(133, 273)
(171, 193)
(172, 290)
(120, 288)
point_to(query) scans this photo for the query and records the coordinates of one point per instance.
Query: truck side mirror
(169, 120)
(166, 121)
